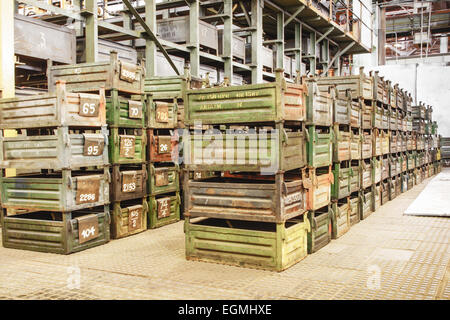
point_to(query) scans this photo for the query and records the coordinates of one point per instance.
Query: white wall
(431, 84)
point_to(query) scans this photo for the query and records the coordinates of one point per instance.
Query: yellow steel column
(7, 60)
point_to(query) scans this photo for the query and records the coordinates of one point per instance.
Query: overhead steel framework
(284, 25)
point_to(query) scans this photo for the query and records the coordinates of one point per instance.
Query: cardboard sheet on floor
(434, 200)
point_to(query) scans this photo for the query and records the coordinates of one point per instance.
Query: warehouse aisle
(434, 199)
(387, 256)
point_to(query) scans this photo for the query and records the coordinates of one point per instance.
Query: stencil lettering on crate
(127, 146)
(129, 181)
(87, 228)
(88, 107)
(134, 109)
(88, 189)
(163, 205)
(134, 218)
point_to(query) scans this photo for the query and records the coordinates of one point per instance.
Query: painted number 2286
(87, 197)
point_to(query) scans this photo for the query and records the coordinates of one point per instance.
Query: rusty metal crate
(384, 142)
(399, 92)
(260, 245)
(366, 173)
(393, 187)
(411, 160)
(419, 126)
(280, 149)
(409, 122)
(379, 90)
(128, 182)
(62, 108)
(124, 112)
(87, 77)
(321, 227)
(376, 197)
(127, 145)
(384, 167)
(163, 178)
(246, 197)
(404, 182)
(340, 187)
(355, 114)
(319, 103)
(317, 183)
(57, 191)
(404, 142)
(341, 143)
(427, 129)
(342, 110)
(419, 111)
(340, 217)
(392, 95)
(319, 146)
(128, 217)
(355, 176)
(399, 120)
(162, 88)
(56, 232)
(57, 149)
(366, 115)
(408, 99)
(163, 146)
(163, 115)
(376, 169)
(366, 145)
(429, 113)
(163, 209)
(355, 144)
(384, 192)
(177, 30)
(366, 203)
(393, 119)
(399, 141)
(360, 86)
(267, 102)
(377, 116)
(385, 119)
(355, 215)
(394, 166)
(403, 161)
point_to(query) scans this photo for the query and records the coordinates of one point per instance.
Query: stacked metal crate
(319, 129)
(125, 116)
(165, 111)
(58, 201)
(381, 117)
(253, 213)
(360, 89)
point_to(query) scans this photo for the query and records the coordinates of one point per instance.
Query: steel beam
(228, 39)
(280, 38)
(294, 15)
(256, 36)
(298, 44)
(150, 46)
(91, 31)
(194, 38)
(338, 55)
(325, 34)
(150, 34)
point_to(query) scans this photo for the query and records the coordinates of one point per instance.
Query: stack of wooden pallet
(253, 212)
(58, 201)
(125, 114)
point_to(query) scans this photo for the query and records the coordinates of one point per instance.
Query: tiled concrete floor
(386, 256)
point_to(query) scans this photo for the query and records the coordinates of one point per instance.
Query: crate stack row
(125, 118)
(321, 131)
(253, 212)
(58, 200)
